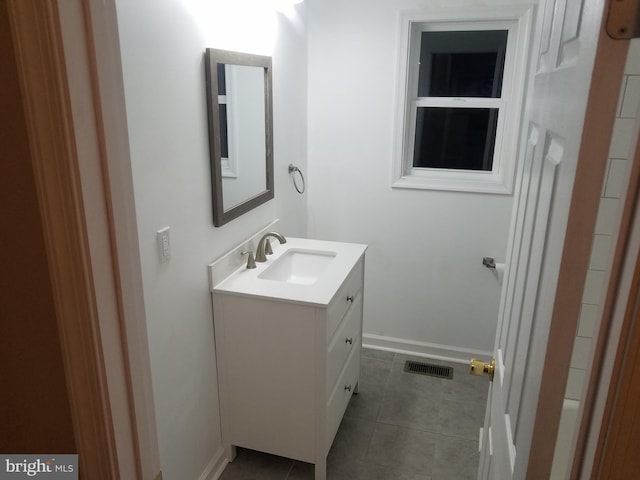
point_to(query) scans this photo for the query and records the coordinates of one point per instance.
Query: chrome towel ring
(292, 171)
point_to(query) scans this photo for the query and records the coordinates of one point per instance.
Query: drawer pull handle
(350, 299)
(349, 340)
(347, 388)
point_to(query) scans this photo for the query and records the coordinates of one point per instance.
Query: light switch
(164, 245)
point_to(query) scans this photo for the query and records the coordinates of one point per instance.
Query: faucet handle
(251, 261)
(267, 247)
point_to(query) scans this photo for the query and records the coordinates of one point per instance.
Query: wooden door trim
(84, 186)
(598, 127)
(600, 377)
(620, 295)
(618, 421)
(44, 88)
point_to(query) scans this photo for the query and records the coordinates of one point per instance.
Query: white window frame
(229, 165)
(514, 18)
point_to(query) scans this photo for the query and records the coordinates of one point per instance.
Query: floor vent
(428, 369)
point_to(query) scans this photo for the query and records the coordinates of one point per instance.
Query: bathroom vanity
(288, 339)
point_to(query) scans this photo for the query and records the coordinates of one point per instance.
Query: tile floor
(401, 426)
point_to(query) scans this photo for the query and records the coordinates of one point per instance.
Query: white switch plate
(164, 245)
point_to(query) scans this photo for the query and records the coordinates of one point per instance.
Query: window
(462, 90)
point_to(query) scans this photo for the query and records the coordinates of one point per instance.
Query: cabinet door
(267, 366)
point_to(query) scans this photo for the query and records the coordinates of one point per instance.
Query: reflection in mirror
(241, 118)
(240, 132)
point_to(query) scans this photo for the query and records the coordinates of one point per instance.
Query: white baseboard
(214, 470)
(423, 349)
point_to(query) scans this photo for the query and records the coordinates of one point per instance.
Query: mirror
(239, 105)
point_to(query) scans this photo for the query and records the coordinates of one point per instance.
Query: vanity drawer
(344, 298)
(347, 338)
(341, 394)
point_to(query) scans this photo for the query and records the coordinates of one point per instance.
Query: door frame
(608, 390)
(99, 333)
(619, 426)
(74, 109)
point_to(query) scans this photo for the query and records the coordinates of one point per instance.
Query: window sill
(475, 182)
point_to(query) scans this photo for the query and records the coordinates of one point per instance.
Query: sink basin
(301, 267)
(303, 271)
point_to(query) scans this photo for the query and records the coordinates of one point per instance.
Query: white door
(567, 32)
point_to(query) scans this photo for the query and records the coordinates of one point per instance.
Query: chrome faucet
(264, 246)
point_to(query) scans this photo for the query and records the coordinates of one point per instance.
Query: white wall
(162, 44)
(425, 283)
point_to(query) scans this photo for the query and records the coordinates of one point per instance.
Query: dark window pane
(224, 142)
(222, 80)
(455, 138)
(462, 64)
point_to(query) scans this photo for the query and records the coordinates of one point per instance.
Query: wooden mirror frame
(212, 58)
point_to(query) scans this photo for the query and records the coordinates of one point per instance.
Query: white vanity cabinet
(287, 368)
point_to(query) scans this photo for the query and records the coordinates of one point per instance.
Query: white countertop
(246, 282)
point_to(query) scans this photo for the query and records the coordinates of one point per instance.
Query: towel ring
(292, 170)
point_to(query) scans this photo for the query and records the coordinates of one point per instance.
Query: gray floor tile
(465, 387)
(358, 470)
(455, 458)
(252, 465)
(461, 419)
(366, 404)
(354, 470)
(375, 373)
(410, 450)
(407, 409)
(419, 385)
(352, 439)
